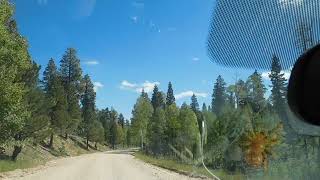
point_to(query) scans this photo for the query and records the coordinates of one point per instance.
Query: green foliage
(194, 103)
(256, 90)
(71, 72)
(37, 126)
(189, 135)
(170, 95)
(96, 132)
(121, 120)
(88, 100)
(156, 132)
(241, 93)
(157, 99)
(279, 86)
(141, 114)
(115, 132)
(219, 95)
(55, 94)
(14, 63)
(173, 125)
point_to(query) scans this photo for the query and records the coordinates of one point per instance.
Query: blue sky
(128, 45)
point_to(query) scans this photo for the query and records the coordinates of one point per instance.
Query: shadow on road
(124, 151)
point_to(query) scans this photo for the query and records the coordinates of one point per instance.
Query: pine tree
(36, 125)
(170, 95)
(88, 107)
(157, 98)
(204, 107)
(241, 94)
(116, 133)
(71, 77)
(231, 96)
(194, 103)
(121, 120)
(141, 115)
(189, 135)
(278, 91)
(52, 87)
(49, 76)
(144, 94)
(173, 125)
(156, 132)
(195, 108)
(218, 96)
(256, 91)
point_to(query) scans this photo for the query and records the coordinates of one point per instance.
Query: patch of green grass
(185, 168)
(27, 158)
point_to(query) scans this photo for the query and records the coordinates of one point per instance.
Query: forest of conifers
(244, 127)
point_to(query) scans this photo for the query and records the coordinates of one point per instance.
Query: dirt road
(98, 166)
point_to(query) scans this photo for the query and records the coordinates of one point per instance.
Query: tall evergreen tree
(279, 86)
(105, 119)
(219, 95)
(156, 132)
(114, 129)
(157, 98)
(173, 125)
(36, 125)
(231, 100)
(49, 76)
(144, 94)
(204, 107)
(241, 93)
(121, 120)
(256, 91)
(54, 91)
(189, 135)
(195, 108)
(88, 107)
(170, 95)
(71, 77)
(194, 104)
(141, 115)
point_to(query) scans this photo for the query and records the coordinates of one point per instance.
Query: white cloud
(265, 75)
(97, 86)
(195, 59)
(138, 87)
(285, 3)
(42, 2)
(147, 86)
(189, 94)
(137, 4)
(91, 62)
(126, 84)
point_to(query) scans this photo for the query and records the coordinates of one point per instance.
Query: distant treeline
(237, 120)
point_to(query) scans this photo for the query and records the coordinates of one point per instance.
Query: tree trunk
(16, 152)
(66, 136)
(87, 144)
(306, 148)
(96, 146)
(51, 141)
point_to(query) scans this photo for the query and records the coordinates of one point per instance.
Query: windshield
(154, 89)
